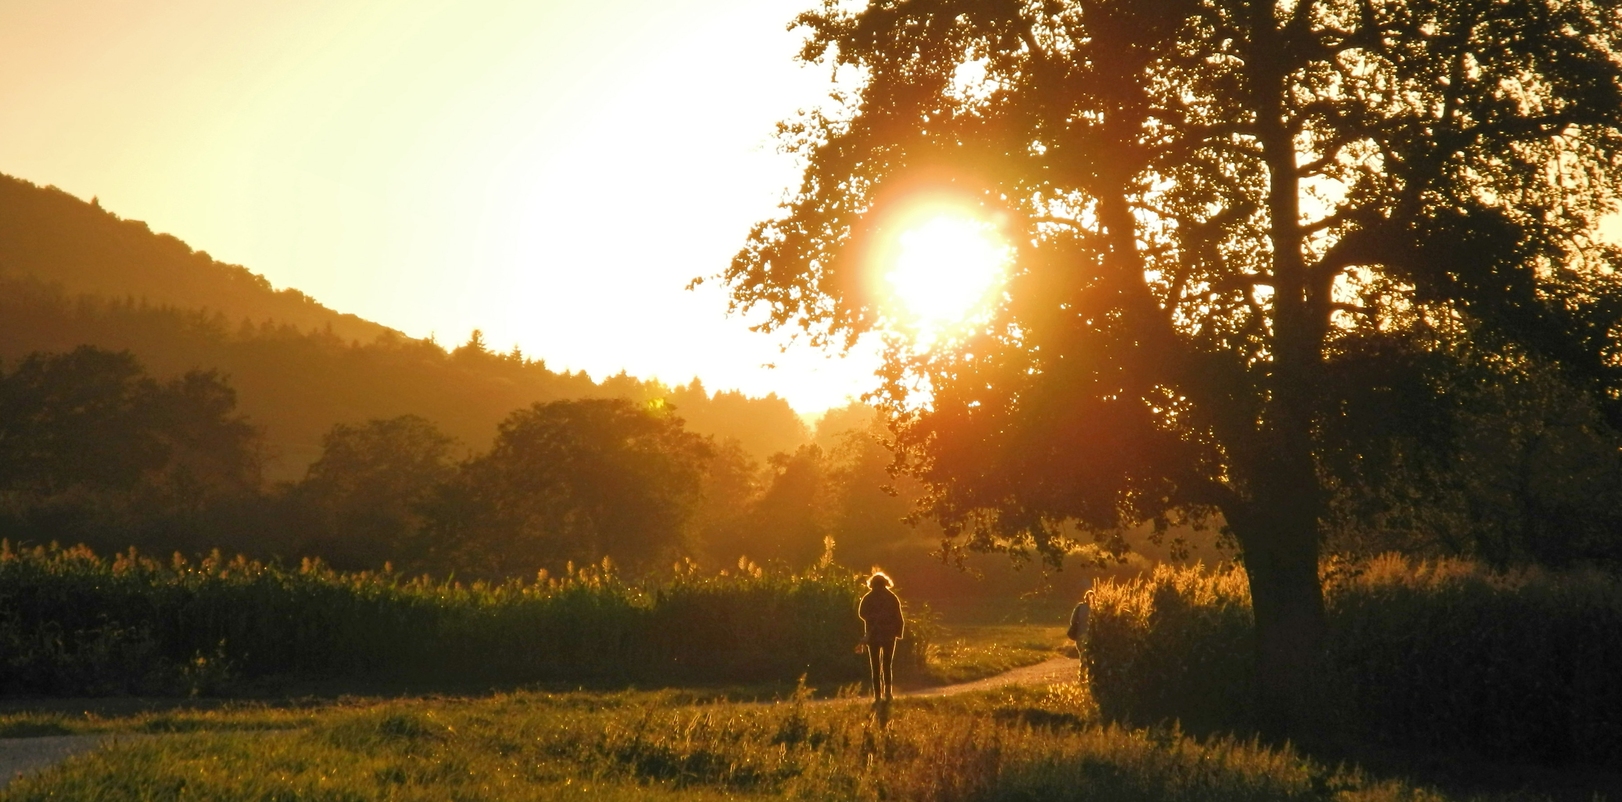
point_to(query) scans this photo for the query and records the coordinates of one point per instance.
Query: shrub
(1432, 655)
(1171, 645)
(73, 623)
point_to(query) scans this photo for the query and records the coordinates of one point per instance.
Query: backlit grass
(962, 653)
(1423, 656)
(1011, 744)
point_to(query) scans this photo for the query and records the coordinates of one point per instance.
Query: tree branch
(1061, 221)
(1243, 281)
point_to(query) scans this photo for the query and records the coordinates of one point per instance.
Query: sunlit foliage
(1233, 224)
(1439, 655)
(78, 624)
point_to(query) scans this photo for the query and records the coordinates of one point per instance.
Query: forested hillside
(72, 273)
(47, 234)
(359, 401)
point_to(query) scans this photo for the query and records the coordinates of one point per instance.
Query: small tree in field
(1231, 222)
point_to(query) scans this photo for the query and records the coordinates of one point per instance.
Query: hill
(72, 273)
(51, 236)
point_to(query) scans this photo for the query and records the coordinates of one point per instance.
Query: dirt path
(1047, 672)
(20, 756)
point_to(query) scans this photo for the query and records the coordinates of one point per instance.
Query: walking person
(881, 619)
(1078, 629)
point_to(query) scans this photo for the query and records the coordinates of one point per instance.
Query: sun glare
(946, 270)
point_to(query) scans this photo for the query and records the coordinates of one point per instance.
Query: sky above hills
(551, 172)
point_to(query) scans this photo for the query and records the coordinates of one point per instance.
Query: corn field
(75, 623)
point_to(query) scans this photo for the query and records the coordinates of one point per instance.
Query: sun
(947, 267)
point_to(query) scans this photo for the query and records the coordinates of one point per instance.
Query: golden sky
(551, 172)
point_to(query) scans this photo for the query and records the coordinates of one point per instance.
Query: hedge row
(1434, 655)
(74, 623)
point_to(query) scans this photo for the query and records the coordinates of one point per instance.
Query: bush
(1431, 655)
(73, 623)
(1174, 645)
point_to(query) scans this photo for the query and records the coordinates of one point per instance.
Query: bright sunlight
(947, 268)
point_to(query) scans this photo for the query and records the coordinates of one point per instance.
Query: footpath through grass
(967, 652)
(1018, 743)
(974, 639)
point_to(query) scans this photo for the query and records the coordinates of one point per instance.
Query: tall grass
(1172, 645)
(1013, 745)
(74, 623)
(1434, 655)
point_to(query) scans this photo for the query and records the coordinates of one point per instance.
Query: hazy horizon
(552, 175)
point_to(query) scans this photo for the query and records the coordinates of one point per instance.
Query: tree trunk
(1278, 532)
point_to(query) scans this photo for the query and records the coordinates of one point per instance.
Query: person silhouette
(881, 620)
(1078, 629)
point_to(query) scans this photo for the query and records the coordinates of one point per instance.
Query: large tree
(573, 481)
(93, 419)
(1228, 217)
(365, 497)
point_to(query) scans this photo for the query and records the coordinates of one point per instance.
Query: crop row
(75, 623)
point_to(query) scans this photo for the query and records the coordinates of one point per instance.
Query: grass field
(965, 652)
(1012, 744)
(717, 742)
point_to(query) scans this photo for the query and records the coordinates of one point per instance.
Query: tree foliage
(575, 481)
(94, 419)
(1517, 465)
(1235, 225)
(365, 497)
(93, 449)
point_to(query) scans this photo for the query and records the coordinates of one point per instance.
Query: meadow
(521, 705)
(962, 652)
(1020, 743)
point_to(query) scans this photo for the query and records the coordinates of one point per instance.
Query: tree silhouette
(94, 450)
(367, 491)
(793, 513)
(1218, 208)
(573, 481)
(93, 419)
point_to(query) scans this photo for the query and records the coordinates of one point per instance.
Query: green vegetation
(968, 652)
(298, 383)
(72, 274)
(93, 450)
(1241, 238)
(1441, 655)
(1015, 744)
(77, 624)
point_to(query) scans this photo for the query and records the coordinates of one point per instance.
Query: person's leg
(889, 668)
(874, 667)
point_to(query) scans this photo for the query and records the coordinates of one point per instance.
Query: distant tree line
(297, 383)
(94, 450)
(574, 481)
